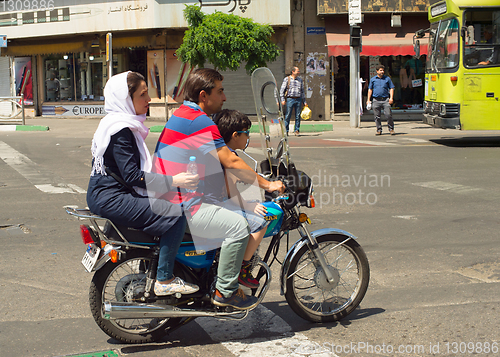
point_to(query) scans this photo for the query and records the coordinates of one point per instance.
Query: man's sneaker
(392, 132)
(238, 300)
(246, 278)
(378, 133)
(175, 286)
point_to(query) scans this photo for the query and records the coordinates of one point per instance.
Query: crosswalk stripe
(369, 142)
(279, 338)
(460, 189)
(30, 171)
(447, 186)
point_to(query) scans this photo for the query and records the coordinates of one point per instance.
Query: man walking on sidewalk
(382, 88)
(292, 94)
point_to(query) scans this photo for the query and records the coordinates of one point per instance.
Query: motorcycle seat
(131, 234)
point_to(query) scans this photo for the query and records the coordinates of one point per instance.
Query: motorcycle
(324, 275)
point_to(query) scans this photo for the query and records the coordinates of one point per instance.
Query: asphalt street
(423, 204)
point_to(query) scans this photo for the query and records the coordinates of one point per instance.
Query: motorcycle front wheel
(311, 295)
(125, 281)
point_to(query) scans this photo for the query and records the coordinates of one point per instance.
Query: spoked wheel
(125, 282)
(312, 296)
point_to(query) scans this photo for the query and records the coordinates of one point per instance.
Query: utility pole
(355, 49)
(109, 53)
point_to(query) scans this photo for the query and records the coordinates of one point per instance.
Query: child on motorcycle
(234, 127)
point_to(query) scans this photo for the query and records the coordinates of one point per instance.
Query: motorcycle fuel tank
(274, 216)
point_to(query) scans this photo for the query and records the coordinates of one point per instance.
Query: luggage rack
(85, 213)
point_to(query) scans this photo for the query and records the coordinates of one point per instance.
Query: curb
(24, 128)
(304, 128)
(156, 128)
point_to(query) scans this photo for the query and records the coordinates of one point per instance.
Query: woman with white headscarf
(118, 148)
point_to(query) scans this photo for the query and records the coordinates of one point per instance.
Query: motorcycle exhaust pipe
(125, 310)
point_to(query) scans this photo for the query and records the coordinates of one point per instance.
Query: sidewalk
(156, 125)
(342, 127)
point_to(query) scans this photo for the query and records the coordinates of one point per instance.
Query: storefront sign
(354, 12)
(95, 16)
(416, 83)
(342, 6)
(316, 31)
(3, 41)
(24, 79)
(67, 110)
(156, 76)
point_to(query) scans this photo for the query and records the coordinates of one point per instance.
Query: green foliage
(226, 41)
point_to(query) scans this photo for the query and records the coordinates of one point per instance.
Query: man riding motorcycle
(191, 132)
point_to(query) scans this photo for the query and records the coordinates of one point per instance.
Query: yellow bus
(462, 80)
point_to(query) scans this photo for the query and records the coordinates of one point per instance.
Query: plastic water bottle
(192, 168)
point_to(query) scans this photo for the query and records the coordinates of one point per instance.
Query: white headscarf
(121, 114)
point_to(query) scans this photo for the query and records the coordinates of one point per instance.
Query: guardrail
(18, 104)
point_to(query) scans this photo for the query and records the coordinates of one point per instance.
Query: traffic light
(355, 39)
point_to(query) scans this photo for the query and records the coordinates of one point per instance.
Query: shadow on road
(471, 141)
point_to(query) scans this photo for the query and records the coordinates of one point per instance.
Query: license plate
(90, 257)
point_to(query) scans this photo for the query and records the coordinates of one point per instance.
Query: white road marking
(31, 172)
(447, 186)
(405, 217)
(415, 140)
(460, 189)
(369, 142)
(280, 340)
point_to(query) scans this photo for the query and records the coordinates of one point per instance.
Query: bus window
(444, 37)
(483, 26)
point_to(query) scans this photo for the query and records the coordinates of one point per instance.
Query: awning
(379, 38)
(137, 41)
(77, 44)
(23, 48)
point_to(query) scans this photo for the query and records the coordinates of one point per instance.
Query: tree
(226, 41)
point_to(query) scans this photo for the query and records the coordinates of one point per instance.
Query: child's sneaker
(175, 286)
(246, 278)
(238, 300)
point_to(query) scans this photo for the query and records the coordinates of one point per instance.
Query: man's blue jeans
(170, 242)
(293, 103)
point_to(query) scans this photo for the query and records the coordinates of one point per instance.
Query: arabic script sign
(243, 4)
(341, 6)
(91, 16)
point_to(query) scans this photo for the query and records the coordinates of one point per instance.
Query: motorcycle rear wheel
(125, 282)
(309, 293)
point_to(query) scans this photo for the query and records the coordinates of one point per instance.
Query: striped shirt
(190, 132)
(296, 88)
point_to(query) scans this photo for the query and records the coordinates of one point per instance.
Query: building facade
(58, 53)
(387, 27)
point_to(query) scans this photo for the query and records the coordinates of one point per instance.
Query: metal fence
(17, 108)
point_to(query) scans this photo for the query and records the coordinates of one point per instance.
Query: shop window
(59, 78)
(77, 77)
(408, 75)
(406, 72)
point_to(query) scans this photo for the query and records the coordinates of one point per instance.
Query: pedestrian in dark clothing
(382, 88)
(118, 146)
